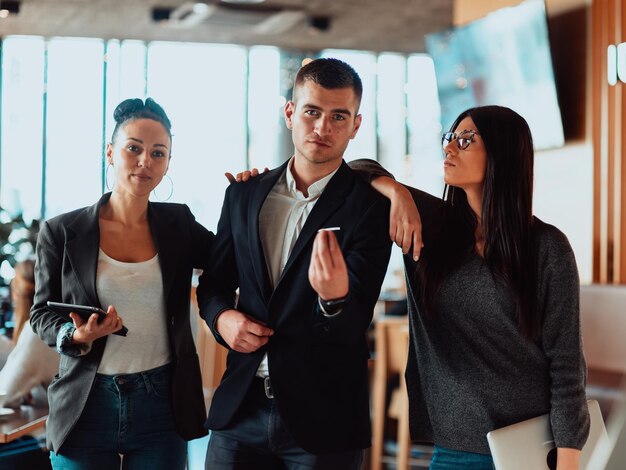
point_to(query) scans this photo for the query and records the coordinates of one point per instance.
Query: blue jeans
(450, 459)
(258, 440)
(128, 414)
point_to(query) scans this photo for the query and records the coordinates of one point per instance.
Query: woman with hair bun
(138, 397)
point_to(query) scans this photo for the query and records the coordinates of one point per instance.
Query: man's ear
(290, 108)
(357, 125)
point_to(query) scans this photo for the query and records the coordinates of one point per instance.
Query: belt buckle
(267, 386)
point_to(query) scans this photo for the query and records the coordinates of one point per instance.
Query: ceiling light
(8, 7)
(248, 2)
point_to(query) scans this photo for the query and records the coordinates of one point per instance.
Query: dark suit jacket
(67, 257)
(318, 365)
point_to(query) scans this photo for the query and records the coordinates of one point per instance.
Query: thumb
(229, 177)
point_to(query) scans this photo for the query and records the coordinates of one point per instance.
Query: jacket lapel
(82, 248)
(164, 233)
(331, 199)
(254, 238)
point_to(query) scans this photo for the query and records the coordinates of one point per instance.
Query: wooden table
(25, 420)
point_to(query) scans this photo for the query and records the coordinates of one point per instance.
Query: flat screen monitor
(503, 59)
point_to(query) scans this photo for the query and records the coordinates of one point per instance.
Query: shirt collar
(314, 190)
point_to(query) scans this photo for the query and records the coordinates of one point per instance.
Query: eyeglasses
(463, 139)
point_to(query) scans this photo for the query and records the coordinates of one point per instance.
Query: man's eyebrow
(335, 110)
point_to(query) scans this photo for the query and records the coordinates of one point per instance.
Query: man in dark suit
(295, 391)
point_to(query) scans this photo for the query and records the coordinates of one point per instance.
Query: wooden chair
(392, 346)
(212, 355)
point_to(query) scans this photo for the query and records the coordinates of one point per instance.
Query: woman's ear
(109, 154)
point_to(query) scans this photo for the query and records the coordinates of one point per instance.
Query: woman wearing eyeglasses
(493, 298)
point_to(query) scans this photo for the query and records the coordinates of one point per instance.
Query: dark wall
(568, 38)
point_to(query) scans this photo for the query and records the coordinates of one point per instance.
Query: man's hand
(328, 273)
(88, 331)
(244, 175)
(241, 332)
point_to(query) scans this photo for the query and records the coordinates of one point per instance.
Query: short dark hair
(135, 108)
(330, 73)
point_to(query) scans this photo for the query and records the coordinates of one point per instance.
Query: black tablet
(84, 311)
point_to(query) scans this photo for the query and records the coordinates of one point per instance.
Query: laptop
(529, 444)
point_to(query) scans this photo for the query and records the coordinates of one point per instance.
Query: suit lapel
(254, 238)
(82, 248)
(331, 199)
(164, 233)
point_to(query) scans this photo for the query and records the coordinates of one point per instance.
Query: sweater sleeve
(369, 169)
(561, 339)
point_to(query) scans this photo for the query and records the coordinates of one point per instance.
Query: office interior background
(65, 65)
(223, 70)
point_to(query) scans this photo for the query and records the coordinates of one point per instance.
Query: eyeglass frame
(448, 137)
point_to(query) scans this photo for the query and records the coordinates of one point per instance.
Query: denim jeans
(258, 440)
(126, 415)
(450, 459)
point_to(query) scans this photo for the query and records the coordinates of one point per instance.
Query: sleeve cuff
(65, 344)
(332, 308)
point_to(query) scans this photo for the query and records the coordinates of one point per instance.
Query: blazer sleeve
(48, 272)
(217, 286)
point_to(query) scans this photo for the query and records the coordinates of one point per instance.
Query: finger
(266, 170)
(229, 177)
(250, 343)
(254, 172)
(259, 330)
(92, 322)
(407, 239)
(335, 251)
(392, 229)
(78, 322)
(245, 175)
(417, 245)
(399, 236)
(324, 257)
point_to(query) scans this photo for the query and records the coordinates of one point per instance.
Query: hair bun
(156, 108)
(126, 108)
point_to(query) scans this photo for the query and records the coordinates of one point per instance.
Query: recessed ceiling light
(243, 1)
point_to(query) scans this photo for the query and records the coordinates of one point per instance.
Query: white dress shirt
(281, 219)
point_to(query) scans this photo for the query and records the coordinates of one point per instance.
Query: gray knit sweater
(470, 370)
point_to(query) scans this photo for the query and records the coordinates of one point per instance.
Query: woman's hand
(88, 331)
(567, 459)
(405, 224)
(244, 175)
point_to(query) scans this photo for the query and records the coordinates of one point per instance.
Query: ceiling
(376, 25)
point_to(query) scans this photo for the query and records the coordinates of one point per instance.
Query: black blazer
(65, 271)
(318, 365)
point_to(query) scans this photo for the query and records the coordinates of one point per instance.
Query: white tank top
(136, 292)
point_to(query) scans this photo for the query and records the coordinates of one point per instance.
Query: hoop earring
(106, 178)
(154, 192)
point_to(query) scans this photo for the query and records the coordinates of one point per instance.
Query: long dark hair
(507, 221)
